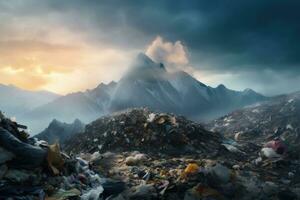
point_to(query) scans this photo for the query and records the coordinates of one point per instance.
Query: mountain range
(146, 84)
(59, 131)
(14, 102)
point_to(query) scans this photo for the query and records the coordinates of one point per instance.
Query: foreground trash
(198, 165)
(191, 177)
(137, 147)
(32, 169)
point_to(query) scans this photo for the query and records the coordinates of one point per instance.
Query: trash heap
(278, 117)
(163, 156)
(32, 169)
(148, 176)
(204, 166)
(145, 131)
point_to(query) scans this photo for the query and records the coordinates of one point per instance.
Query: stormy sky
(71, 45)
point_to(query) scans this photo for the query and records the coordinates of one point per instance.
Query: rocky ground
(139, 154)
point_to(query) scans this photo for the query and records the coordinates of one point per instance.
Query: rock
(26, 155)
(112, 187)
(5, 156)
(143, 192)
(189, 195)
(202, 192)
(118, 197)
(236, 167)
(3, 170)
(135, 160)
(287, 195)
(270, 188)
(18, 176)
(252, 187)
(65, 194)
(92, 194)
(220, 173)
(291, 174)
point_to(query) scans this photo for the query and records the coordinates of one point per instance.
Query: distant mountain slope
(15, 101)
(146, 84)
(278, 117)
(150, 84)
(58, 131)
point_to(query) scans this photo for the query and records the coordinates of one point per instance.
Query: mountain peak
(143, 60)
(221, 86)
(55, 123)
(77, 122)
(248, 90)
(144, 68)
(162, 66)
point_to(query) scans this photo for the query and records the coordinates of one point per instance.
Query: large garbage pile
(278, 117)
(136, 147)
(32, 169)
(230, 170)
(145, 131)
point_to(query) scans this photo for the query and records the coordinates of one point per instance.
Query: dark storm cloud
(221, 36)
(224, 35)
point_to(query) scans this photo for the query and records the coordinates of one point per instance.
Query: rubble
(33, 170)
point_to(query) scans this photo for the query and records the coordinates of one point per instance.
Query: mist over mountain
(146, 84)
(14, 102)
(59, 131)
(150, 84)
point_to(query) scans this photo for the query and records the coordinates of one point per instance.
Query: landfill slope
(164, 156)
(278, 117)
(139, 154)
(145, 131)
